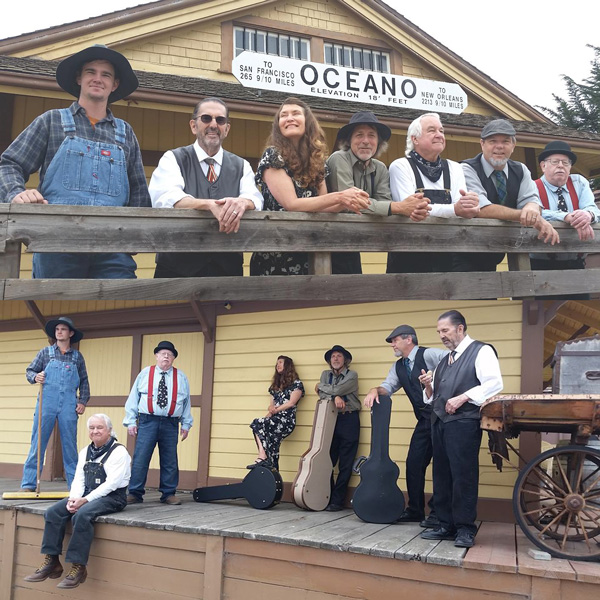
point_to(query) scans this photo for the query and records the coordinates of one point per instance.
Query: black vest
(513, 183)
(200, 264)
(412, 386)
(453, 380)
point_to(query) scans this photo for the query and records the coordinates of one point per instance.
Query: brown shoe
(131, 499)
(51, 567)
(26, 489)
(77, 575)
(172, 500)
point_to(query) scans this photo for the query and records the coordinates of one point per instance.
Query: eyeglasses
(565, 162)
(206, 119)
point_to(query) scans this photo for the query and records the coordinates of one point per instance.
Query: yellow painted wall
(247, 346)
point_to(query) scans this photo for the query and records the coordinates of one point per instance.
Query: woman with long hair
(286, 390)
(291, 176)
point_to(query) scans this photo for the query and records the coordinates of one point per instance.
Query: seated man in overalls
(99, 488)
(84, 155)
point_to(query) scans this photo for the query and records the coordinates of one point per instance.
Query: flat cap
(497, 126)
(400, 330)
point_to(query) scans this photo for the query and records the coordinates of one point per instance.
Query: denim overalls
(58, 402)
(86, 173)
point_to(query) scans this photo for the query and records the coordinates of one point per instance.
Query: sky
(519, 53)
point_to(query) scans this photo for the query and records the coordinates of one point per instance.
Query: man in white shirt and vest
(158, 403)
(205, 177)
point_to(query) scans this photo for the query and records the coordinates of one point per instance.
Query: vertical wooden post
(8, 554)
(213, 567)
(319, 263)
(10, 261)
(519, 261)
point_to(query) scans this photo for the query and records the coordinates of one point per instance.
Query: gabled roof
(378, 14)
(188, 90)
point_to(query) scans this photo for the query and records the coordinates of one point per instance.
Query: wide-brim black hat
(364, 117)
(67, 70)
(50, 328)
(165, 345)
(341, 349)
(557, 147)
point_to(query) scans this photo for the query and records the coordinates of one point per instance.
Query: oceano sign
(316, 79)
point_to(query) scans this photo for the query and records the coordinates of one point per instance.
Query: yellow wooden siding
(247, 346)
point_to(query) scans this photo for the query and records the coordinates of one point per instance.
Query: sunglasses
(206, 119)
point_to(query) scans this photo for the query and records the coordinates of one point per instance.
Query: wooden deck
(230, 550)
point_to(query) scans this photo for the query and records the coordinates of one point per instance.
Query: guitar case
(262, 488)
(378, 498)
(311, 488)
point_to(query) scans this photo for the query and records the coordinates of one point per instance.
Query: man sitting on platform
(205, 177)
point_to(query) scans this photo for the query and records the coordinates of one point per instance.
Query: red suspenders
(544, 195)
(151, 387)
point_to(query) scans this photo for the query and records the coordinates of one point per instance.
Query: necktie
(562, 204)
(162, 391)
(408, 366)
(500, 185)
(211, 175)
(452, 356)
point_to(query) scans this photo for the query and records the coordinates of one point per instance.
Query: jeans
(64, 265)
(154, 430)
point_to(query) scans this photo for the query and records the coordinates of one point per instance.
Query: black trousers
(343, 449)
(207, 264)
(346, 263)
(419, 262)
(456, 472)
(419, 456)
(467, 261)
(57, 516)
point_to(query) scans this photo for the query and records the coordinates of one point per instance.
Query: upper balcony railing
(61, 228)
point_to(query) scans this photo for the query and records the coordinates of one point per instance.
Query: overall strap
(446, 174)
(120, 131)
(52, 352)
(416, 172)
(67, 121)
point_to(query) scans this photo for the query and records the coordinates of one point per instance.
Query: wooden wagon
(556, 499)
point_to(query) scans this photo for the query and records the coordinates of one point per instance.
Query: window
(268, 42)
(358, 58)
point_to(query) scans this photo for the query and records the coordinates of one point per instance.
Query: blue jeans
(154, 430)
(57, 516)
(66, 265)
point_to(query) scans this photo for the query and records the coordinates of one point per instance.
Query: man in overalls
(99, 488)
(85, 156)
(61, 371)
(423, 173)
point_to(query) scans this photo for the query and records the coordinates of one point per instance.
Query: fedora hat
(364, 117)
(50, 328)
(557, 147)
(341, 349)
(67, 70)
(165, 345)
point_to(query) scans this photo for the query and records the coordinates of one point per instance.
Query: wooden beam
(36, 314)
(8, 552)
(207, 330)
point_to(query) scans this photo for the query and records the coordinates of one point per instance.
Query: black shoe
(408, 517)
(131, 499)
(334, 507)
(441, 533)
(430, 522)
(464, 539)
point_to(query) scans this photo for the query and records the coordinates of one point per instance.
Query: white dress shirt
(487, 368)
(403, 184)
(167, 183)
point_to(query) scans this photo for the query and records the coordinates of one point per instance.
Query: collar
(413, 354)
(553, 188)
(77, 108)
(201, 154)
(488, 169)
(342, 373)
(467, 341)
(55, 346)
(159, 370)
(354, 160)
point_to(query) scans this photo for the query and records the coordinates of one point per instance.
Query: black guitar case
(378, 498)
(262, 488)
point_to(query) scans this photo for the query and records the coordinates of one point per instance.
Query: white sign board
(300, 77)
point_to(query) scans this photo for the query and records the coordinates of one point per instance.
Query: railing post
(10, 261)
(319, 263)
(519, 261)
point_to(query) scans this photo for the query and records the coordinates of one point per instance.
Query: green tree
(581, 110)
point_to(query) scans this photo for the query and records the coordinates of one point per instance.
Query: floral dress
(278, 263)
(272, 430)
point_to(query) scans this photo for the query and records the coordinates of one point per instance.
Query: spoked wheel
(559, 509)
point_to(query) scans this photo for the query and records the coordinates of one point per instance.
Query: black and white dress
(272, 430)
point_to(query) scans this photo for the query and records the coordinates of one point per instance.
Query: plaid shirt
(36, 146)
(39, 363)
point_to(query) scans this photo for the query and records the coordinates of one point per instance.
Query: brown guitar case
(311, 488)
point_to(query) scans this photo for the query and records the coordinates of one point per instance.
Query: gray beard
(498, 163)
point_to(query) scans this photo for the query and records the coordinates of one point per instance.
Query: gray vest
(203, 264)
(453, 380)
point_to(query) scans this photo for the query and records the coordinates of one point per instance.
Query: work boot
(51, 567)
(77, 575)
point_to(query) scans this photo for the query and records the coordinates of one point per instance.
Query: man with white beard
(506, 191)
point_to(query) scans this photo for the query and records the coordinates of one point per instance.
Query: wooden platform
(230, 550)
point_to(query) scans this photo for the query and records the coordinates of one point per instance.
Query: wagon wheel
(560, 511)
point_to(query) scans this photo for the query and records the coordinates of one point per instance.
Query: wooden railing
(101, 229)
